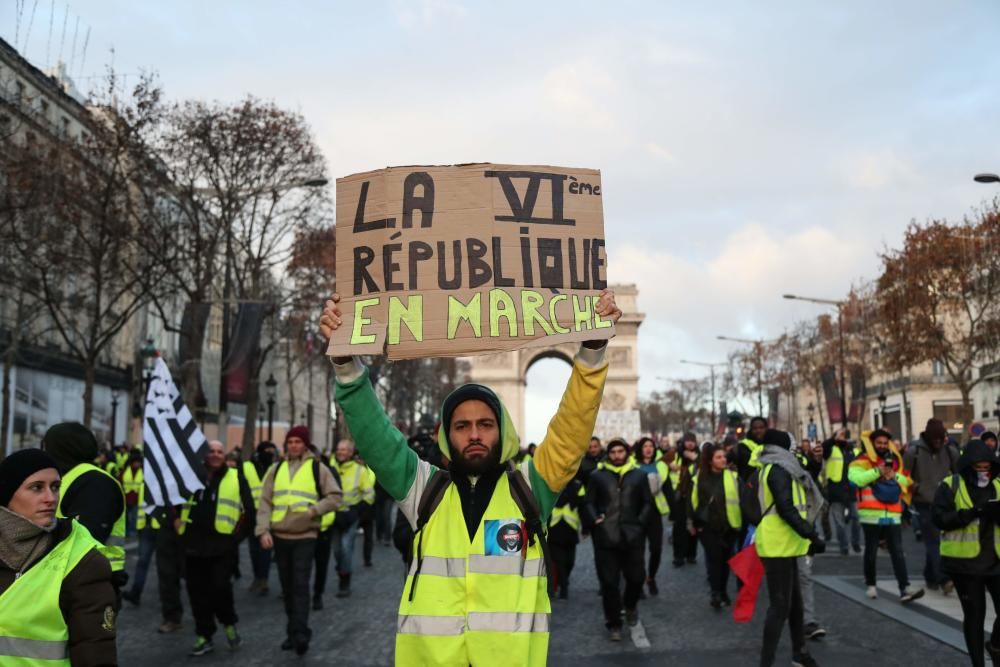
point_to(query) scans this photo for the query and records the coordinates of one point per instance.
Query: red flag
(748, 567)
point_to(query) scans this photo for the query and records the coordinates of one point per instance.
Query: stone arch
(505, 372)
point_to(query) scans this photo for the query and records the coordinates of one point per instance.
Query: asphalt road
(681, 627)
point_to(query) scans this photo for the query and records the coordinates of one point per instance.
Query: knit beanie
(777, 438)
(934, 430)
(301, 432)
(469, 392)
(618, 442)
(18, 467)
(70, 444)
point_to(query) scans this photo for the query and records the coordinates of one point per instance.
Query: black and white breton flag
(172, 467)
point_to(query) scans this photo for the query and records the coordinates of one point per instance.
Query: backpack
(750, 498)
(523, 498)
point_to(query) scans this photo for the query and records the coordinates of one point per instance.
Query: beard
(478, 465)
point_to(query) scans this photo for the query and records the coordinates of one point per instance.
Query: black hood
(975, 452)
(70, 444)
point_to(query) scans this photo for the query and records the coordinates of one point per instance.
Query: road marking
(639, 635)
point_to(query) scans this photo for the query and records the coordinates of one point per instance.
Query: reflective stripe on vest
(297, 494)
(253, 481)
(775, 538)
(755, 449)
(350, 482)
(835, 465)
(228, 508)
(114, 548)
(732, 491)
(34, 631)
(471, 604)
(868, 501)
(964, 542)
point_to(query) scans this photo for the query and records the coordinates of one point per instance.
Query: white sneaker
(871, 592)
(910, 594)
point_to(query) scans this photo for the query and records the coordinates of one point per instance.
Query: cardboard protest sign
(455, 260)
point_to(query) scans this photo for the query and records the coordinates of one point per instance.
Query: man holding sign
(476, 592)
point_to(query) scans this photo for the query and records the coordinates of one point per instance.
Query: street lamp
(881, 409)
(114, 413)
(711, 371)
(839, 305)
(986, 178)
(149, 354)
(758, 347)
(271, 384)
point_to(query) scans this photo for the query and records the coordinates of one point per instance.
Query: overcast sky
(747, 148)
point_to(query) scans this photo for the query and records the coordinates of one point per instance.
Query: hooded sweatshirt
(405, 476)
(947, 517)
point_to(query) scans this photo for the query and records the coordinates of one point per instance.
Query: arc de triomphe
(505, 372)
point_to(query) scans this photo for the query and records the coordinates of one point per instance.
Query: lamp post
(149, 354)
(758, 349)
(839, 305)
(271, 384)
(711, 371)
(881, 409)
(227, 288)
(114, 414)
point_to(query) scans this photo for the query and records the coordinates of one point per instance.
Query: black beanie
(70, 444)
(778, 438)
(18, 467)
(470, 392)
(618, 442)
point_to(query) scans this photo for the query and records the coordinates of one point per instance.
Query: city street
(681, 627)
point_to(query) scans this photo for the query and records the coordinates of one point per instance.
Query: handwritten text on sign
(472, 258)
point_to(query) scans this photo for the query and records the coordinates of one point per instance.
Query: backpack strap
(429, 500)
(528, 504)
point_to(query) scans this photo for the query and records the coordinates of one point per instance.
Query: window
(18, 92)
(65, 126)
(938, 369)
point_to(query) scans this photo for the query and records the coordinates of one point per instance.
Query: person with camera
(883, 485)
(967, 511)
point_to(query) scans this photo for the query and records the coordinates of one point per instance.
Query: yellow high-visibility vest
(731, 489)
(964, 542)
(34, 632)
(132, 481)
(835, 465)
(774, 537)
(297, 494)
(472, 605)
(567, 513)
(114, 548)
(253, 481)
(228, 507)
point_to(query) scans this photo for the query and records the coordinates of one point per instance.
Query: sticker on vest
(504, 537)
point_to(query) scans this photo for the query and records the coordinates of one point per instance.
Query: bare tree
(88, 272)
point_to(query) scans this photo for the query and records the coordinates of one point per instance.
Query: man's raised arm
(380, 444)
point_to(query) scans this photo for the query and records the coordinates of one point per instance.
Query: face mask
(982, 479)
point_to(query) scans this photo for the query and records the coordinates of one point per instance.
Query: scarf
(620, 470)
(22, 542)
(784, 459)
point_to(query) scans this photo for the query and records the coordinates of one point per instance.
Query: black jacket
(476, 497)
(200, 537)
(96, 501)
(625, 503)
(780, 484)
(947, 517)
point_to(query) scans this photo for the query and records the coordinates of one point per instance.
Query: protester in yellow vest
(211, 524)
(838, 455)
(88, 494)
(254, 471)
(297, 493)
(121, 454)
(685, 468)
(132, 484)
(966, 511)
(54, 583)
(147, 526)
(476, 592)
(366, 514)
(790, 502)
(715, 518)
(648, 459)
(358, 491)
(564, 535)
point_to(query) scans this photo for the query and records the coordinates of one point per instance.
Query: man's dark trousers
(294, 559)
(612, 564)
